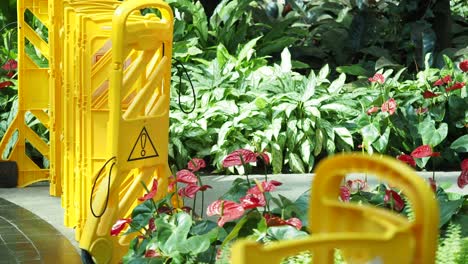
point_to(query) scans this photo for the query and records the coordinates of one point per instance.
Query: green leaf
(356, 70)
(323, 73)
(238, 189)
(247, 51)
(319, 138)
(235, 231)
(286, 65)
(296, 163)
(339, 108)
(448, 209)
(310, 87)
(142, 214)
(195, 245)
(306, 150)
(384, 62)
(223, 132)
(382, 142)
(261, 103)
(345, 135)
(276, 158)
(286, 232)
(183, 223)
(222, 54)
(429, 134)
(460, 144)
(337, 85)
(369, 133)
(203, 227)
(302, 205)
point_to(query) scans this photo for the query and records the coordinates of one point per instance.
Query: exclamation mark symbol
(143, 144)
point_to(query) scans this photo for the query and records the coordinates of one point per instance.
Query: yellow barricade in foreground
(363, 234)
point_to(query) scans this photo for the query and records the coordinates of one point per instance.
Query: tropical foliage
(251, 210)
(255, 87)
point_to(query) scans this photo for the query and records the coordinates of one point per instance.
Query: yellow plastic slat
(362, 233)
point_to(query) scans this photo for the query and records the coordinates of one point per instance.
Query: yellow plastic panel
(363, 233)
(137, 131)
(33, 96)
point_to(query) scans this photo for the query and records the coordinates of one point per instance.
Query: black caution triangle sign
(143, 148)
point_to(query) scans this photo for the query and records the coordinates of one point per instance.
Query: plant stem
(194, 201)
(139, 231)
(148, 191)
(202, 196)
(267, 204)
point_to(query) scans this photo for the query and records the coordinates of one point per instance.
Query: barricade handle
(119, 21)
(331, 172)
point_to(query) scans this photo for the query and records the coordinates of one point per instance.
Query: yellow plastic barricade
(363, 234)
(137, 126)
(33, 98)
(87, 58)
(76, 173)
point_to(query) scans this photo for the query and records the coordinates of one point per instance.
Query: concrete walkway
(36, 198)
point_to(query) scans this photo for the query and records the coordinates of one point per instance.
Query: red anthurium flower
(456, 86)
(6, 84)
(264, 157)
(428, 94)
(447, 79)
(236, 158)
(10, 65)
(296, 222)
(273, 220)
(389, 106)
(151, 253)
(205, 187)
(152, 192)
(151, 225)
(407, 159)
(227, 210)
(164, 210)
(439, 82)
(433, 184)
(377, 78)
(463, 65)
(268, 186)
(462, 180)
(191, 189)
(196, 164)
(345, 194)
(373, 109)
(171, 187)
(423, 152)
(444, 80)
(119, 226)
(398, 202)
(464, 164)
(186, 176)
(356, 185)
(251, 201)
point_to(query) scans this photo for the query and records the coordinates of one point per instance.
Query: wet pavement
(26, 238)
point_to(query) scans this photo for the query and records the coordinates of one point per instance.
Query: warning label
(143, 148)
